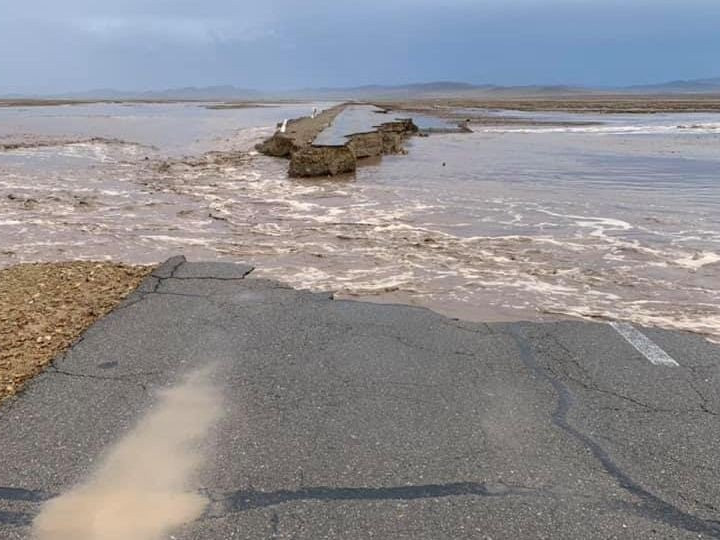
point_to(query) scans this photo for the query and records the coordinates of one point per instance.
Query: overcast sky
(64, 45)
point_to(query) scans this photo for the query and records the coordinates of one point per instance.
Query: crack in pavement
(592, 387)
(243, 500)
(207, 278)
(20, 518)
(167, 271)
(118, 378)
(15, 519)
(274, 525)
(652, 506)
(21, 494)
(703, 400)
(127, 377)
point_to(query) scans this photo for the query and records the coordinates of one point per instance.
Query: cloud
(77, 44)
(181, 29)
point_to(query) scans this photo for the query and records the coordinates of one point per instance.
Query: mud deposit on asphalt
(142, 491)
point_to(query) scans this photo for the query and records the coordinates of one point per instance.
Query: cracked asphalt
(357, 420)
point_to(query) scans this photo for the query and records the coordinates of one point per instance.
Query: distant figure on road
(283, 128)
(314, 112)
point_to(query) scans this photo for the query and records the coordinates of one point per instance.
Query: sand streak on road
(140, 491)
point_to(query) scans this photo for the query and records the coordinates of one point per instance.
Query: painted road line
(643, 344)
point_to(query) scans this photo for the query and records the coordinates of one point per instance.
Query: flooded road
(617, 221)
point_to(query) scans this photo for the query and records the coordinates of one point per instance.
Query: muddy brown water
(617, 220)
(142, 490)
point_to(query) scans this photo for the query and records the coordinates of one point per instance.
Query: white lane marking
(643, 344)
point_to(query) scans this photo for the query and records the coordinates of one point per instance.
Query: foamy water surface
(619, 220)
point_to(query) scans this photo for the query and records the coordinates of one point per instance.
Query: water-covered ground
(619, 220)
(366, 118)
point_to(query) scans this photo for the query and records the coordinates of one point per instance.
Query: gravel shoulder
(45, 307)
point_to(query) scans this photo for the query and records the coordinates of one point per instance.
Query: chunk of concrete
(366, 145)
(322, 161)
(279, 145)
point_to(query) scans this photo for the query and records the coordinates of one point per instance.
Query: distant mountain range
(691, 86)
(420, 90)
(429, 90)
(210, 93)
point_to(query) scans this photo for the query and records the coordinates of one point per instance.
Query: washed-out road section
(288, 414)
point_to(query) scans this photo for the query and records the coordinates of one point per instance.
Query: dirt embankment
(45, 307)
(596, 104)
(309, 160)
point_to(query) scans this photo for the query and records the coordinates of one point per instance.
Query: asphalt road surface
(354, 420)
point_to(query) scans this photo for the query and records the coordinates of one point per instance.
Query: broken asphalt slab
(353, 420)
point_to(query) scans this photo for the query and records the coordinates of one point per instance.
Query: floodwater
(365, 118)
(613, 221)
